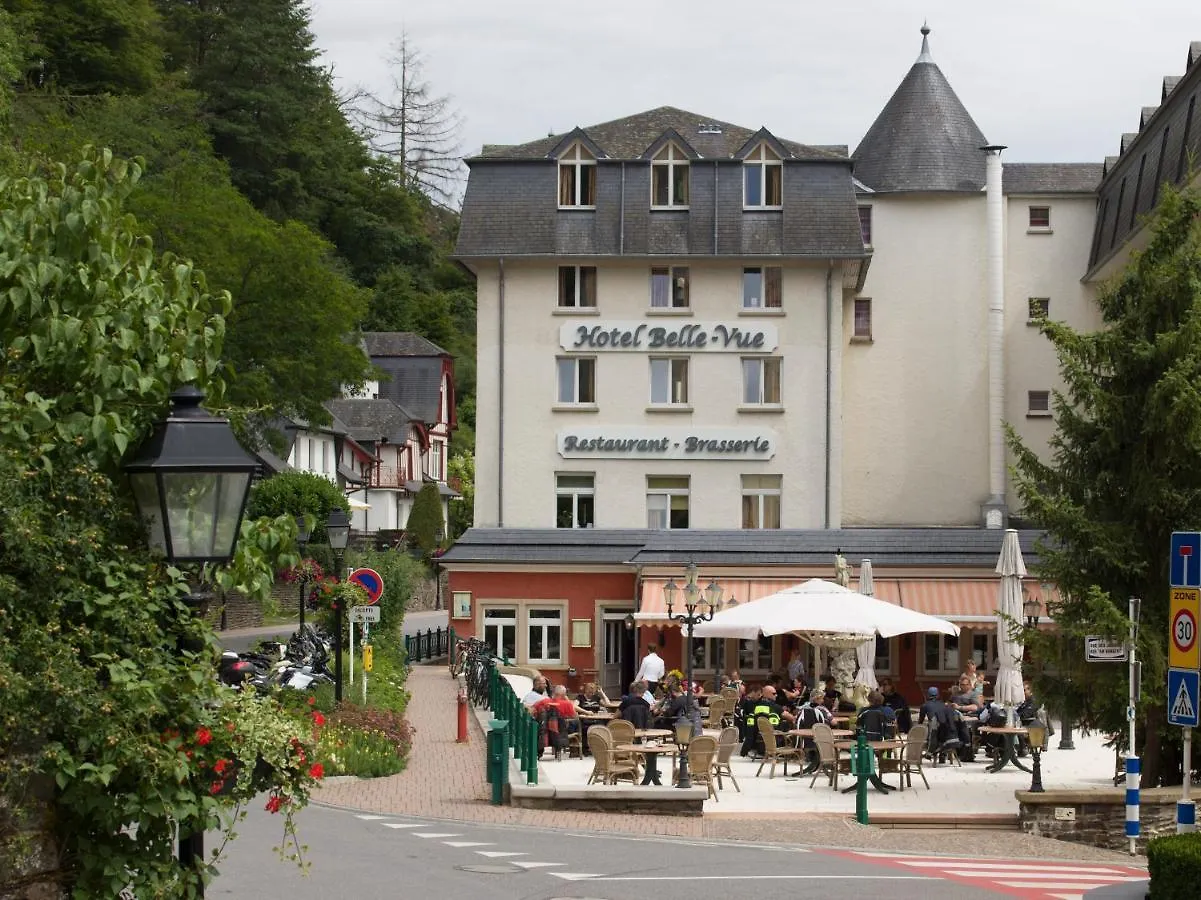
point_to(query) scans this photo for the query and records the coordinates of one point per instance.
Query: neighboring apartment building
(384, 442)
(711, 344)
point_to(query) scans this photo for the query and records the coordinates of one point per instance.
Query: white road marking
(468, 843)
(572, 876)
(1003, 867)
(535, 865)
(402, 825)
(496, 854)
(434, 834)
(369, 818)
(1088, 886)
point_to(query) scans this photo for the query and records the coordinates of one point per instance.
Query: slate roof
(1051, 178)
(936, 547)
(629, 138)
(413, 383)
(924, 139)
(399, 343)
(371, 420)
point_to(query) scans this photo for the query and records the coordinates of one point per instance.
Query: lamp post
(190, 481)
(1036, 731)
(302, 541)
(700, 605)
(337, 528)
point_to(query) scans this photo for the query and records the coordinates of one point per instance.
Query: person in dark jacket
(634, 708)
(894, 701)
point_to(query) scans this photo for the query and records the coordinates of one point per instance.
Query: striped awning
(967, 601)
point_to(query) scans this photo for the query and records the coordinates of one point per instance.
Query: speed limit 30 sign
(1183, 650)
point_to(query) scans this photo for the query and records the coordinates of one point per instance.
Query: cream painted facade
(535, 422)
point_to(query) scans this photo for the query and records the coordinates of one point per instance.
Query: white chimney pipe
(995, 202)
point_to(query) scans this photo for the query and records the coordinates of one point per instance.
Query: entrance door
(617, 653)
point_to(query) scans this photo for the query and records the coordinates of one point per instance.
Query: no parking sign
(370, 581)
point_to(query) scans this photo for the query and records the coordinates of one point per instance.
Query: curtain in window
(587, 185)
(775, 179)
(660, 288)
(588, 286)
(771, 381)
(751, 380)
(680, 184)
(773, 288)
(567, 185)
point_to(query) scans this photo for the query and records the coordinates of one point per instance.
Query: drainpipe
(621, 237)
(830, 351)
(715, 207)
(500, 399)
(994, 509)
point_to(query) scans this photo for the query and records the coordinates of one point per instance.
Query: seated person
(557, 713)
(813, 711)
(634, 707)
(1027, 710)
(943, 733)
(744, 718)
(780, 718)
(966, 700)
(736, 680)
(675, 710)
(535, 693)
(897, 704)
(975, 678)
(876, 719)
(795, 693)
(590, 698)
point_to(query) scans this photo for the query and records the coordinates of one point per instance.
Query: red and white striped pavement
(1034, 880)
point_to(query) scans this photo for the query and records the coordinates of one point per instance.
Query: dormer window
(763, 179)
(669, 179)
(577, 178)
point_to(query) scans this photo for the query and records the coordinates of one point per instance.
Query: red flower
(273, 804)
(318, 719)
(312, 700)
(317, 770)
(220, 766)
(203, 736)
(216, 786)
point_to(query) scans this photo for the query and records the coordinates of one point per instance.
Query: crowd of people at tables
(787, 700)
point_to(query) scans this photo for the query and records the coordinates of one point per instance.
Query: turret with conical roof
(924, 139)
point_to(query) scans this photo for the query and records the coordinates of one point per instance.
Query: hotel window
(863, 319)
(575, 500)
(761, 381)
(666, 501)
(577, 379)
(883, 661)
(500, 631)
(865, 225)
(669, 287)
(940, 654)
(1038, 308)
(669, 179)
(763, 179)
(761, 501)
(1038, 403)
(545, 636)
(577, 286)
(669, 381)
(762, 287)
(1040, 217)
(984, 650)
(577, 178)
(708, 654)
(755, 656)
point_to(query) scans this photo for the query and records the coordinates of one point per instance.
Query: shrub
(425, 519)
(400, 573)
(352, 751)
(1174, 862)
(294, 494)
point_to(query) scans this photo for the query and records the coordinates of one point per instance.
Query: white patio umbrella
(820, 608)
(1010, 650)
(865, 653)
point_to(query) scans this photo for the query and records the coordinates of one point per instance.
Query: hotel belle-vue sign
(667, 443)
(650, 337)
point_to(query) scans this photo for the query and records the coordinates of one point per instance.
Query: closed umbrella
(865, 653)
(1010, 649)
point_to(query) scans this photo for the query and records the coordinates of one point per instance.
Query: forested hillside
(255, 172)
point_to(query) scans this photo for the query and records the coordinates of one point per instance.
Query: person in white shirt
(536, 693)
(651, 668)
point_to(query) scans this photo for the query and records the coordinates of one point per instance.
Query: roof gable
(763, 136)
(399, 343)
(670, 136)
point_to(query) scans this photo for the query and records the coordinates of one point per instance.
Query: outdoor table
(1009, 747)
(799, 734)
(650, 752)
(654, 733)
(596, 716)
(879, 748)
(839, 720)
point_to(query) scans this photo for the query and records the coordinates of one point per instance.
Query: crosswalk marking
(575, 876)
(534, 865)
(402, 825)
(496, 854)
(369, 818)
(977, 865)
(468, 843)
(434, 834)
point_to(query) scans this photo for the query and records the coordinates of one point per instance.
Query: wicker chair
(830, 761)
(622, 732)
(726, 742)
(772, 752)
(730, 695)
(702, 752)
(605, 768)
(716, 712)
(575, 741)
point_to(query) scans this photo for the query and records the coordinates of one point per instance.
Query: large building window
(500, 631)
(763, 179)
(577, 379)
(761, 381)
(577, 287)
(761, 501)
(577, 177)
(667, 501)
(940, 654)
(762, 287)
(436, 461)
(755, 656)
(669, 287)
(575, 500)
(669, 179)
(669, 381)
(545, 637)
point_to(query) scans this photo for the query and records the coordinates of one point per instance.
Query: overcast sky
(1055, 80)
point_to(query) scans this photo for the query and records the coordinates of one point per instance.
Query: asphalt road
(397, 857)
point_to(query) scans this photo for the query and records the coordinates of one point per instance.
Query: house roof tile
(1051, 178)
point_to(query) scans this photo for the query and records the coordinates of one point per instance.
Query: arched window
(669, 178)
(577, 177)
(763, 179)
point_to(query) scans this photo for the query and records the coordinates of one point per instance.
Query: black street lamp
(700, 605)
(337, 527)
(1036, 731)
(190, 481)
(302, 541)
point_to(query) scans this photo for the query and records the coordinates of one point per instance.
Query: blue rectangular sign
(1182, 697)
(1186, 559)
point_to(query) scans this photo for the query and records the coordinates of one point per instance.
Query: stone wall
(1097, 816)
(29, 861)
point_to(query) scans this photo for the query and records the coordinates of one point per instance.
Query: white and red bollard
(462, 704)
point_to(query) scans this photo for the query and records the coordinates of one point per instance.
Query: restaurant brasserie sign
(694, 337)
(667, 443)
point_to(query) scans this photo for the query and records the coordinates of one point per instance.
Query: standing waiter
(651, 668)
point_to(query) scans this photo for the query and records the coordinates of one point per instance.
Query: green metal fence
(522, 731)
(432, 644)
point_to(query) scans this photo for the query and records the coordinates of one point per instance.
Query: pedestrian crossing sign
(1182, 697)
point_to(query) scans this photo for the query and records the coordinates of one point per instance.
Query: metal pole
(303, 581)
(366, 635)
(1186, 811)
(685, 779)
(351, 660)
(1132, 760)
(338, 635)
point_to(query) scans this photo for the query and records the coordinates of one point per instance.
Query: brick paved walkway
(445, 780)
